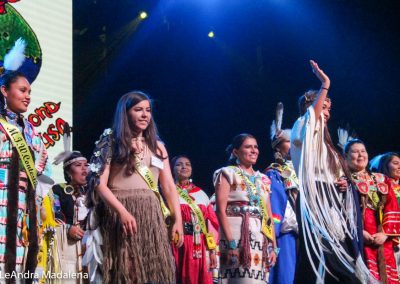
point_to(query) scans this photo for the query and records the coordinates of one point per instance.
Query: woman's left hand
(272, 259)
(342, 184)
(325, 81)
(379, 238)
(177, 234)
(213, 259)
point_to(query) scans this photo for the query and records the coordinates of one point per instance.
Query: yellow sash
(266, 225)
(25, 155)
(18, 141)
(211, 245)
(148, 177)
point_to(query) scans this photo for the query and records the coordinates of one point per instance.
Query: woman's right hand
(368, 238)
(128, 223)
(75, 232)
(213, 259)
(233, 257)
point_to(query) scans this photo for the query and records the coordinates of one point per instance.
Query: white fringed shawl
(321, 217)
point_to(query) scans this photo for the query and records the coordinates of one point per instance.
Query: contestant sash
(25, 155)
(148, 177)
(266, 225)
(202, 222)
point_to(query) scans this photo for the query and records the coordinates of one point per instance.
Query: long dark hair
(123, 132)
(237, 142)
(383, 166)
(6, 80)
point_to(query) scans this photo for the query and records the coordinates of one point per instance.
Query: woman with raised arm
(247, 239)
(127, 164)
(380, 211)
(327, 207)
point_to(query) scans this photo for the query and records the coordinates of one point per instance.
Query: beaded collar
(254, 195)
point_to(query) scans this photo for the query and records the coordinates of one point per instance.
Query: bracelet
(232, 244)
(325, 88)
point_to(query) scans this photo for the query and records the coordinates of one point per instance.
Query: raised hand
(325, 81)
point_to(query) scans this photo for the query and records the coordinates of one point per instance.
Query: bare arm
(127, 220)
(325, 84)
(171, 195)
(221, 193)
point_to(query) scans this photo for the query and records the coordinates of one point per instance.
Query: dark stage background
(206, 90)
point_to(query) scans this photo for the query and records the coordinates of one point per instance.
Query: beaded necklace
(396, 188)
(364, 187)
(254, 195)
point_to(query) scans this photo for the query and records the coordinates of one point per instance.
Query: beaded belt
(239, 210)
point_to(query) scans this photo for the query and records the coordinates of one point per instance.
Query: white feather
(273, 130)
(67, 146)
(374, 163)
(67, 137)
(61, 157)
(279, 116)
(343, 137)
(15, 57)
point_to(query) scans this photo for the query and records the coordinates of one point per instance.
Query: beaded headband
(66, 164)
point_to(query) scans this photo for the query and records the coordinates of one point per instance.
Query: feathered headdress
(374, 163)
(344, 137)
(277, 134)
(16, 56)
(67, 156)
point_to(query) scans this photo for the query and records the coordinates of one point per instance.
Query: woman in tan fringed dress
(136, 244)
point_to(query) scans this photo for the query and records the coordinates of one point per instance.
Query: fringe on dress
(144, 258)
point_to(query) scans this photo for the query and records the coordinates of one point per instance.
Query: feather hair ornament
(276, 125)
(16, 56)
(344, 137)
(67, 146)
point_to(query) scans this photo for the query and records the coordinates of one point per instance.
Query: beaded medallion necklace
(254, 195)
